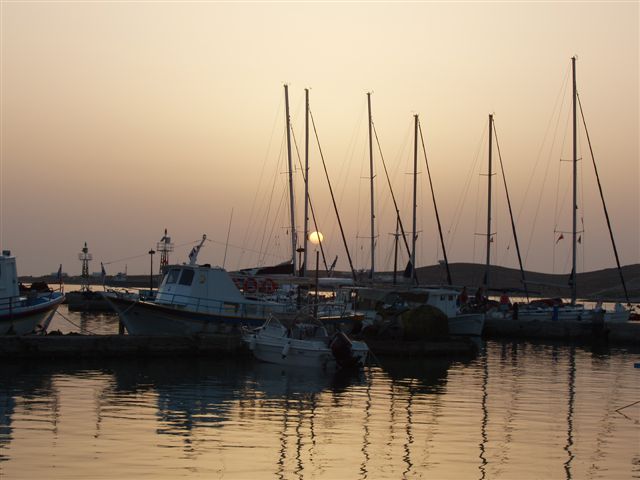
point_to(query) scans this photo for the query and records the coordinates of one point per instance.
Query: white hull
(306, 356)
(29, 319)
(306, 346)
(297, 356)
(470, 324)
(147, 318)
(574, 314)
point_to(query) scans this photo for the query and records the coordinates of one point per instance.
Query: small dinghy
(305, 343)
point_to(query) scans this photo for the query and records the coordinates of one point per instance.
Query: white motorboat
(459, 321)
(445, 299)
(23, 314)
(193, 299)
(305, 343)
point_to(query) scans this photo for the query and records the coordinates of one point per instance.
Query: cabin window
(187, 277)
(443, 297)
(172, 276)
(451, 298)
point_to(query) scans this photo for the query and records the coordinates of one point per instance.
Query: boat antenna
(193, 255)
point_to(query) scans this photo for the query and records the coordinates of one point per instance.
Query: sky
(121, 119)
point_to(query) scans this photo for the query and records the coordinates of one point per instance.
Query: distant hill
(600, 284)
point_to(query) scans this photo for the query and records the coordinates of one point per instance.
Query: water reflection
(485, 417)
(188, 393)
(419, 375)
(516, 409)
(570, 401)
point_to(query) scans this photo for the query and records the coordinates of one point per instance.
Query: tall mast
(289, 158)
(306, 182)
(373, 238)
(395, 251)
(575, 188)
(415, 202)
(489, 174)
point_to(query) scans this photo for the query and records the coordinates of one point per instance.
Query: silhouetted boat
(23, 314)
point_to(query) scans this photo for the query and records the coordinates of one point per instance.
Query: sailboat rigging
(574, 311)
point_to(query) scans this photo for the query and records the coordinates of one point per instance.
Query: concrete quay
(103, 346)
(614, 333)
(212, 345)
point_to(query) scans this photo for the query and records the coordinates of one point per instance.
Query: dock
(449, 347)
(614, 333)
(210, 345)
(231, 345)
(105, 346)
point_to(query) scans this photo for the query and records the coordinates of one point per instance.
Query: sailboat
(574, 311)
(444, 297)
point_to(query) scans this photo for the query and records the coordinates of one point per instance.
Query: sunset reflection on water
(516, 411)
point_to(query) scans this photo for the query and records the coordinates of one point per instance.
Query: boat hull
(30, 318)
(147, 318)
(470, 324)
(575, 315)
(300, 353)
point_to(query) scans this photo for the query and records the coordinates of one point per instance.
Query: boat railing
(226, 307)
(8, 304)
(248, 308)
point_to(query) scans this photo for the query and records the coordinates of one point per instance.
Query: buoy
(250, 285)
(269, 286)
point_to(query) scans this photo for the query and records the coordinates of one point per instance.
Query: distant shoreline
(597, 285)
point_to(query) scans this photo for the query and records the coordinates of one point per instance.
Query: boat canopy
(198, 281)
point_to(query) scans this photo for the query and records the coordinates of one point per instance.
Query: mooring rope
(75, 324)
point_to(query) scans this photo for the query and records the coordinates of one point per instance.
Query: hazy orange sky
(119, 119)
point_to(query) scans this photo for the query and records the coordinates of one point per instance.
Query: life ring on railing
(269, 286)
(250, 285)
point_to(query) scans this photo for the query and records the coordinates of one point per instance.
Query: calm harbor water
(517, 410)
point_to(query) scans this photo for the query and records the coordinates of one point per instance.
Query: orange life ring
(250, 285)
(269, 285)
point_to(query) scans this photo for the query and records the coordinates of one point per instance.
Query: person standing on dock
(480, 298)
(463, 298)
(505, 303)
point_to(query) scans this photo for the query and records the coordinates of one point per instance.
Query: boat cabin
(8, 276)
